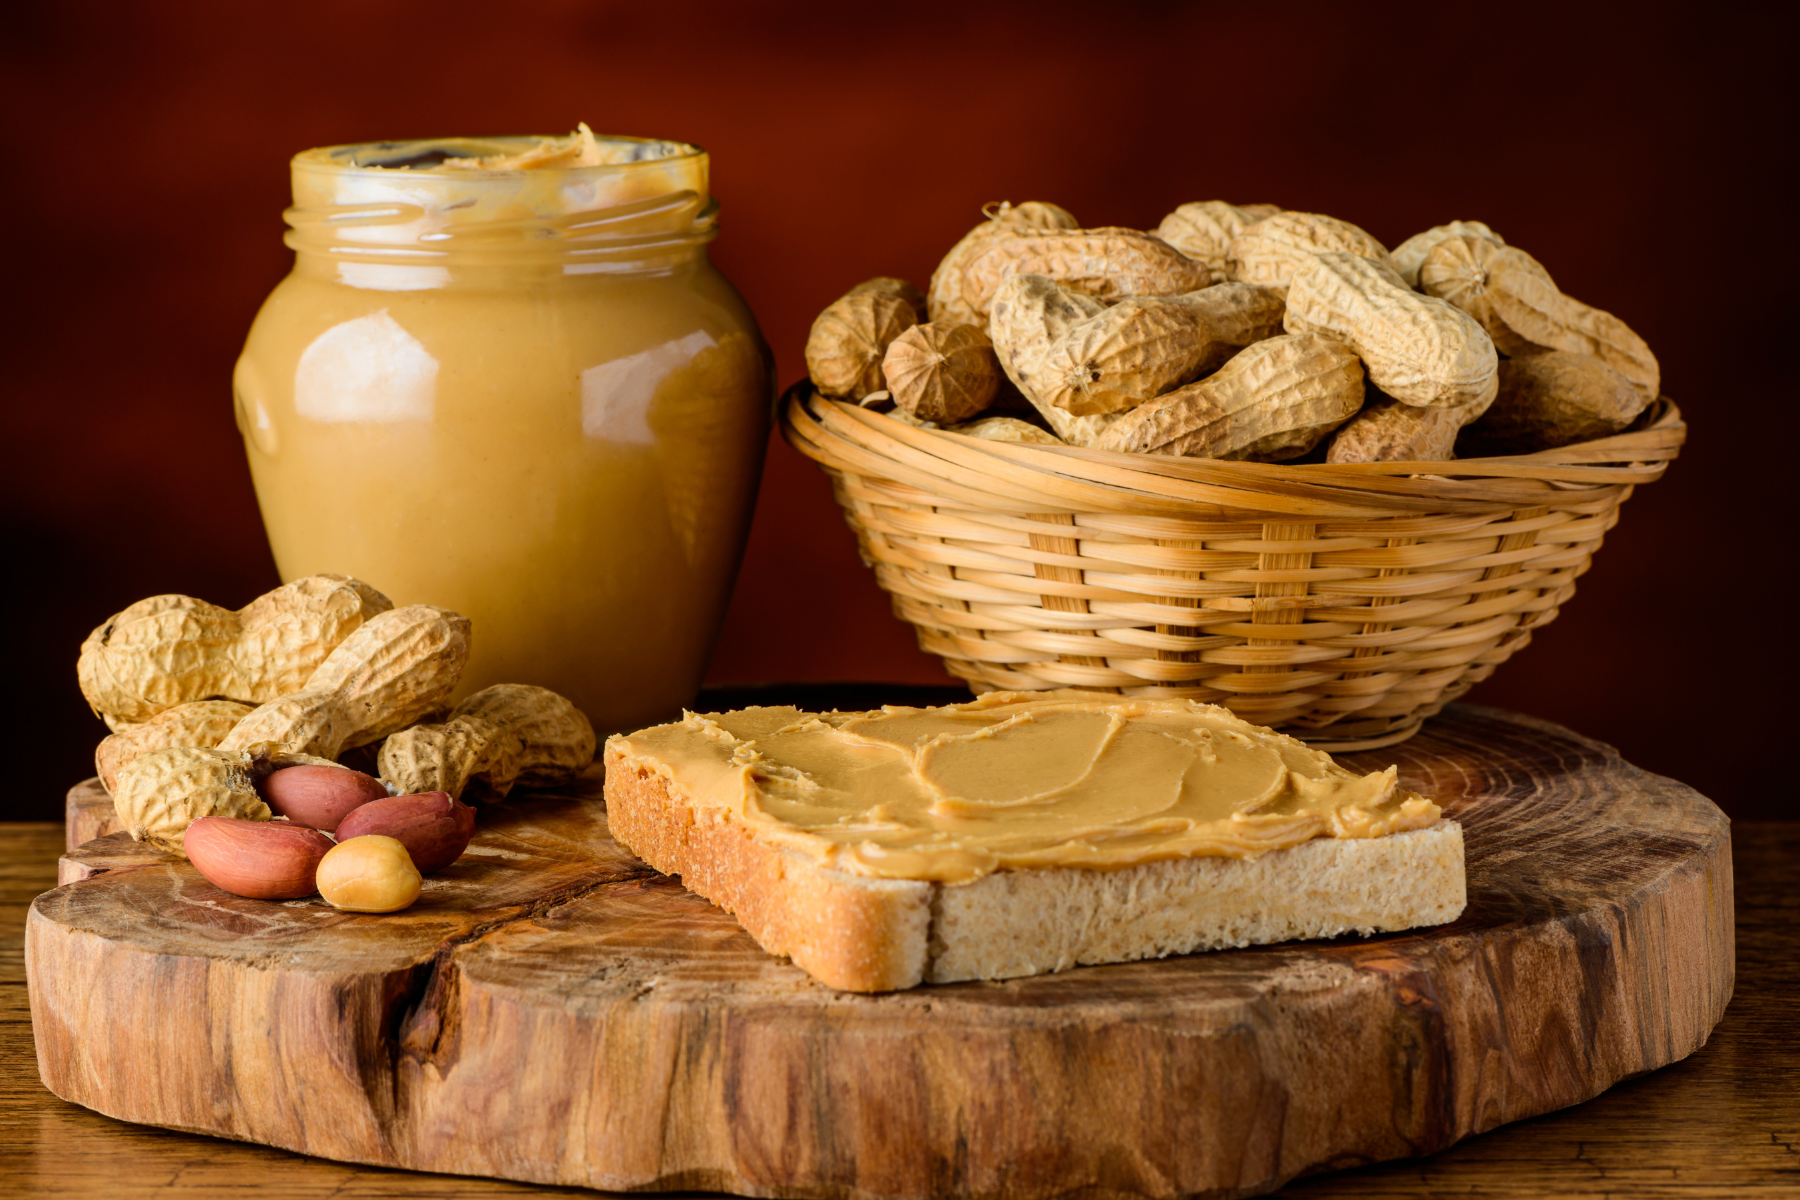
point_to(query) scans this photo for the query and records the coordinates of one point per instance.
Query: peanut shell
(1007, 429)
(1030, 312)
(1513, 296)
(159, 794)
(905, 418)
(170, 650)
(1269, 252)
(1108, 263)
(1143, 346)
(1236, 315)
(944, 295)
(1203, 230)
(197, 723)
(1551, 398)
(887, 285)
(503, 736)
(387, 675)
(942, 373)
(1457, 269)
(1117, 359)
(1410, 255)
(847, 342)
(1275, 400)
(1079, 431)
(1417, 349)
(1389, 431)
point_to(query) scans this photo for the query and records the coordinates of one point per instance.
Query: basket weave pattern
(1344, 604)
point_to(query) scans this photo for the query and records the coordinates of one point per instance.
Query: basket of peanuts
(1254, 458)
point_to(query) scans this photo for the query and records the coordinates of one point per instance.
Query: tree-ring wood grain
(552, 1011)
(88, 813)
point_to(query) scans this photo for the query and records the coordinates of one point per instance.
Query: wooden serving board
(553, 1011)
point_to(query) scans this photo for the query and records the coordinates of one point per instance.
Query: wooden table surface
(1724, 1122)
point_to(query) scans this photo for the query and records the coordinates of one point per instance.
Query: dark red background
(1632, 150)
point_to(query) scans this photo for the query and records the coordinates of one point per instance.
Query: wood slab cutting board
(553, 1011)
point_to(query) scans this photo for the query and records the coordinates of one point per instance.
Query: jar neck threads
(380, 223)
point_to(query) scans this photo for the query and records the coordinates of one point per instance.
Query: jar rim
(398, 157)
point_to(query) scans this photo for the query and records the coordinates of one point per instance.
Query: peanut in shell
(1080, 431)
(944, 295)
(159, 794)
(1029, 314)
(393, 672)
(169, 650)
(1235, 315)
(1461, 270)
(888, 285)
(1410, 255)
(942, 372)
(1551, 398)
(848, 340)
(1389, 431)
(1513, 296)
(1203, 230)
(1269, 252)
(1417, 349)
(1143, 346)
(1117, 359)
(503, 736)
(203, 723)
(1109, 263)
(1007, 429)
(1275, 400)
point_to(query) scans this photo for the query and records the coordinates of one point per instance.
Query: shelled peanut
(1178, 341)
(258, 823)
(369, 874)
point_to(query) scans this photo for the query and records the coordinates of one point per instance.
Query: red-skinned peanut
(434, 828)
(318, 797)
(263, 860)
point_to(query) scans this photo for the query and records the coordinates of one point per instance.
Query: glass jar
(519, 389)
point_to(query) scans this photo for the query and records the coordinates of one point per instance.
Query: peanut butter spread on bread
(1019, 780)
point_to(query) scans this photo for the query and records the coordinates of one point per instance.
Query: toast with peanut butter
(1024, 832)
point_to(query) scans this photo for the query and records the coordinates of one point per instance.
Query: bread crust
(848, 932)
(863, 934)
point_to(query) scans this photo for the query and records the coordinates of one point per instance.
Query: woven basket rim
(843, 437)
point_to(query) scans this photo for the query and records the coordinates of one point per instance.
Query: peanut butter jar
(504, 377)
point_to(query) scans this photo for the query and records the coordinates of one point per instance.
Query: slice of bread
(868, 934)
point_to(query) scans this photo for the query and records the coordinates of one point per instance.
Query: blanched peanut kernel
(371, 873)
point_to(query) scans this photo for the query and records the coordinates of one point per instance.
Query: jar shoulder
(589, 314)
(324, 350)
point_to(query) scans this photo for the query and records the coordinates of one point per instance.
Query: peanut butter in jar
(504, 377)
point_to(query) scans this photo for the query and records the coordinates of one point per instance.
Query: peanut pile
(1236, 332)
(228, 727)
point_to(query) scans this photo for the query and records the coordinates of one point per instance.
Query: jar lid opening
(469, 156)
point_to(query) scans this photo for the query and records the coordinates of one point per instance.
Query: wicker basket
(1343, 604)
